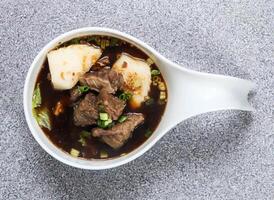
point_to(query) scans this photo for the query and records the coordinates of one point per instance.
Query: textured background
(224, 155)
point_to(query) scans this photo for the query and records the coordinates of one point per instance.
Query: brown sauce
(65, 134)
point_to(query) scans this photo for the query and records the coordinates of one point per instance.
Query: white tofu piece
(67, 64)
(137, 77)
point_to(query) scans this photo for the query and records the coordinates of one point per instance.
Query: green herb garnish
(148, 133)
(74, 152)
(125, 96)
(103, 154)
(83, 89)
(103, 116)
(36, 97)
(83, 136)
(155, 72)
(122, 118)
(113, 42)
(105, 123)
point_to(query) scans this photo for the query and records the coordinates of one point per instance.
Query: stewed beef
(86, 112)
(119, 133)
(101, 63)
(74, 94)
(106, 79)
(111, 104)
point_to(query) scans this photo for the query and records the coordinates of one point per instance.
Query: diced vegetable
(155, 72)
(122, 118)
(149, 101)
(103, 154)
(36, 97)
(74, 152)
(148, 133)
(83, 89)
(125, 96)
(162, 95)
(42, 118)
(103, 116)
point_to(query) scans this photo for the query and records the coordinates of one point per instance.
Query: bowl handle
(192, 93)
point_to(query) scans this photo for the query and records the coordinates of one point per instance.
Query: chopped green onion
(122, 118)
(83, 141)
(85, 134)
(101, 108)
(155, 72)
(150, 61)
(103, 154)
(103, 116)
(148, 133)
(105, 124)
(162, 95)
(150, 101)
(83, 89)
(42, 118)
(36, 97)
(74, 152)
(125, 96)
(113, 42)
(161, 86)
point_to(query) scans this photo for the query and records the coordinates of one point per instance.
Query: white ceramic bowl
(189, 93)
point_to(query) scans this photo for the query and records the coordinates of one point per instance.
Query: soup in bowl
(98, 97)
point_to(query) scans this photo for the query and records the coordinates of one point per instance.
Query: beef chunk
(101, 63)
(110, 104)
(86, 113)
(119, 133)
(106, 79)
(74, 94)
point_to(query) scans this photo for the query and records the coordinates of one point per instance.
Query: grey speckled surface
(224, 155)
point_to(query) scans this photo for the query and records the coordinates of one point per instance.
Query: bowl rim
(43, 140)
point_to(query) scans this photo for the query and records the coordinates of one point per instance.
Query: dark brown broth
(65, 134)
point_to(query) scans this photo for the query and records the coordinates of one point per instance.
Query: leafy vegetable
(125, 96)
(122, 118)
(74, 152)
(36, 97)
(155, 72)
(148, 133)
(83, 89)
(42, 118)
(150, 101)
